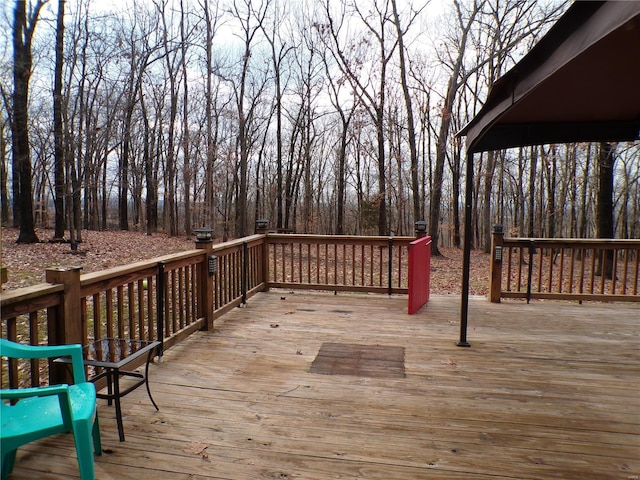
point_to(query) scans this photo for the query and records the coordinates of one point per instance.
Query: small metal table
(112, 354)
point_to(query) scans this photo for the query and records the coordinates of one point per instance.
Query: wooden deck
(547, 390)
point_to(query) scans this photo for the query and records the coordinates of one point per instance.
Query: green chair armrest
(61, 391)
(17, 350)
(19, 393)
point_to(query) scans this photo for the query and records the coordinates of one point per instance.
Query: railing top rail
(137, 267)
(422, 241)
(305, 237)
(587, 242)
(25, 294)
(239, 241)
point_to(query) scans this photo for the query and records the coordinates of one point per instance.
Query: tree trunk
(22, 36)
(211, 134)
(606, 160)
(551, 195)
(342, 156)
(486, 212)
(15, 186)
(520, 198)
(279, 189)
(455, 196)
(123, 171)
(4, 179)
(105, 194)
(582, 224)
(382, 173)
(151, 207)
(532, 191)
(58, 135)
(186, 140)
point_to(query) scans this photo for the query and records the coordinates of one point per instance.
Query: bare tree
(211, 19)
(411, 132)
(465, 22)
(345, 114)
(4, 171)
(250, 21)
(308, 83)
(376, 21)
(141, 55)
(279, 52)
(502, 26)
(172, 60)
(186, 137)
(23, 28)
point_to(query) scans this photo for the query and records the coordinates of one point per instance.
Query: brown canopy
(579, 83)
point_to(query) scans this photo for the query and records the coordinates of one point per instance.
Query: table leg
(116, 394)
(109, 386)
(146, 378)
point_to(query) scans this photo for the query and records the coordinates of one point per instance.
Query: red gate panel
(419, 273)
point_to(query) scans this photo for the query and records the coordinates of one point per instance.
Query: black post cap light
(262, 224)
(204, 234)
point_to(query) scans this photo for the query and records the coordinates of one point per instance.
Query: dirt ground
(26, 264)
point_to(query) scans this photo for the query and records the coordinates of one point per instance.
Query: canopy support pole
(466, 265)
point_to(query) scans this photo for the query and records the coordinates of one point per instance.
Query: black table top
(116, 352)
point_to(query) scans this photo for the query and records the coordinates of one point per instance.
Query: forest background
(323, 116)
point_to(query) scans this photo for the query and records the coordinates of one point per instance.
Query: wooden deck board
(547, 390)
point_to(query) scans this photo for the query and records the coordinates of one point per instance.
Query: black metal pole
(245, 271)
(466, 261)
(390, 285)
(160, 286)
(531, 252)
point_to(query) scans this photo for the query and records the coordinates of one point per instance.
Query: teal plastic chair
(44, 411)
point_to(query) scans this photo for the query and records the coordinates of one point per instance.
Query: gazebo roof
(580, 82)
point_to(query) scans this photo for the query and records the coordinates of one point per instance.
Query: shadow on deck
(547, 390)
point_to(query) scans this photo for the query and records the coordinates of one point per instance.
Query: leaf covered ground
(26, 264)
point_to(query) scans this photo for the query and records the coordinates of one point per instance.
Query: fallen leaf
(196, 448)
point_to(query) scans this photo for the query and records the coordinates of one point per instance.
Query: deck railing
(564, 269)
(164, 298)
(339, 263)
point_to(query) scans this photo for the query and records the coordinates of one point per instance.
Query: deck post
(495, 269)
(390, 273)
(68, 328)
(265, 262)
(161, 288)
(245, 271)
(205, 285)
